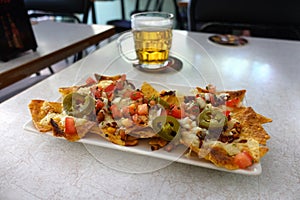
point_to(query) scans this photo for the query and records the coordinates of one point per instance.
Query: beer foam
(151, 22)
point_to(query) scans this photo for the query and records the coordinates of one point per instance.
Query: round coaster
(171, 65)
(229, 40)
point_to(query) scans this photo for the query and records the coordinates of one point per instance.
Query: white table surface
(56, 41)
(34, 166)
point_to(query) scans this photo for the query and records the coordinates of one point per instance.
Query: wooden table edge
(14, 75)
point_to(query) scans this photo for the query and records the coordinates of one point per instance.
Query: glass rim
(166, 15)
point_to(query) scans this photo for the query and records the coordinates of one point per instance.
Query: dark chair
(259, 18)
(55, 8)
(123, 24)
(62, 8)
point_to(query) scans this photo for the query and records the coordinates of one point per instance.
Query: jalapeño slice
(211, 118)
(78, 105)
(167, 127)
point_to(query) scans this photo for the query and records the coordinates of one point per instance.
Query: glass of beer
(152, 36)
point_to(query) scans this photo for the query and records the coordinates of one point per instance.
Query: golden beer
(152, 36)
(152, 46)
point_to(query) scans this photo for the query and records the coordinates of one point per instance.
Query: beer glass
(152, 36)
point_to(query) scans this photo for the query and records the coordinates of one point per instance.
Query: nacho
(213, 125)
(41, 113)
(251, 123)
(148, 91)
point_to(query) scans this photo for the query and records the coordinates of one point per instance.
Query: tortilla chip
(157, 143)
(220, 158)
(263, 150)
(100, 77)
(171, 99)
(114, 137)
(148, 91)
(252, 137)
(39, 109)
(251, 125)
(232, 94)
(222, 154)
(67, 90)
(236, 94)
(262, 119)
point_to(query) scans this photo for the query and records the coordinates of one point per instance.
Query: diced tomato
(226, 113)
(116, 113)
(70, 128)
(120, 82)
(177, 112)
(90, 81)
(135, 95)
(97, 93)
(110, 96)
(232, 102)
(243, 160)
(99, 104)
(132, 109)
(142, 109)
(110, 88)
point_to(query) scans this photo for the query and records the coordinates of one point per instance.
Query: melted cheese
(56, 116)
(190, 139)
(84, 91)
(105, 83)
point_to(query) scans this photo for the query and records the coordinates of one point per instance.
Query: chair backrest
(150, 5)
(63, 6)
(60, 7)
(158, 6)
(254, 12)
(155, 5)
